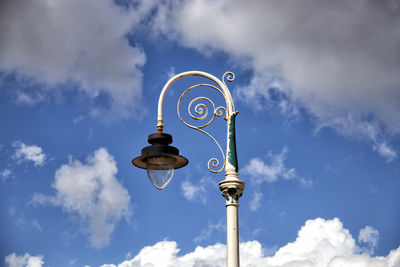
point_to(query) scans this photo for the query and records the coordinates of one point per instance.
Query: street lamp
(160, 159)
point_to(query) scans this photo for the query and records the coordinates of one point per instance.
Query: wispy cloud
(260, 171)
(384, 150)
(36, 225)
(5, 174)
(209, 230)
(197, 192)
(92, 192)
(265, 91)
(171, 72)
(32, 153)
(369, 129)
(255, 202)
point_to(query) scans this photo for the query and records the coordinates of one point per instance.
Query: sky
(317, 87)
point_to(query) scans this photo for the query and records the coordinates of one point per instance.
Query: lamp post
(160, 159)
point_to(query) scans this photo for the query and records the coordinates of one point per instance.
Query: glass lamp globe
(160, 170)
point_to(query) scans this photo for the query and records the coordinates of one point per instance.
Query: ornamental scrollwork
(199, 111)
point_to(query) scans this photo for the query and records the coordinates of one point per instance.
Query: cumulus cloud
(26, 260)
(81, 44)
(32, 153)
(164, 254)
(91, 192)
(197, 192)
(259, 171)
(319, 243)
(339, 60)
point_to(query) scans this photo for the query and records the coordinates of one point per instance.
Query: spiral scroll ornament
(200, 112)
(229, 76)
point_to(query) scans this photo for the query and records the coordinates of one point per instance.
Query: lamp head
(160, 159)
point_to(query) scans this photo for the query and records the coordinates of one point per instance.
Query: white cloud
(384, 150)
(171, 72)
(32, 153)
(368, 129)
(319, 243)
(92, 192)
(128, 255)
(369, 236)
(79, 43)
(197, 192)
(328, 56)
(258, 171)
(267, 91)
(12, 260)
(36, 225)
(209, 230)
(164, 254)
(5, 174)
(255, 202)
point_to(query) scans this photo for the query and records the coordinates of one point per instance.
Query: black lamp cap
(159, 139)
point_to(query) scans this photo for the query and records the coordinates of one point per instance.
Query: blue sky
(318, 93)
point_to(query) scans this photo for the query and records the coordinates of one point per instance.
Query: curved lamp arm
(226, 93)
(230, 161)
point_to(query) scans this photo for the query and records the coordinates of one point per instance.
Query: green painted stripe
(232, 157)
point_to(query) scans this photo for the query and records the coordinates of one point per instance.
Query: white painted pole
(232, 189)
(232, 235)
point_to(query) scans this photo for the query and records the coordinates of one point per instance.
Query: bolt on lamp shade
(160, 159)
